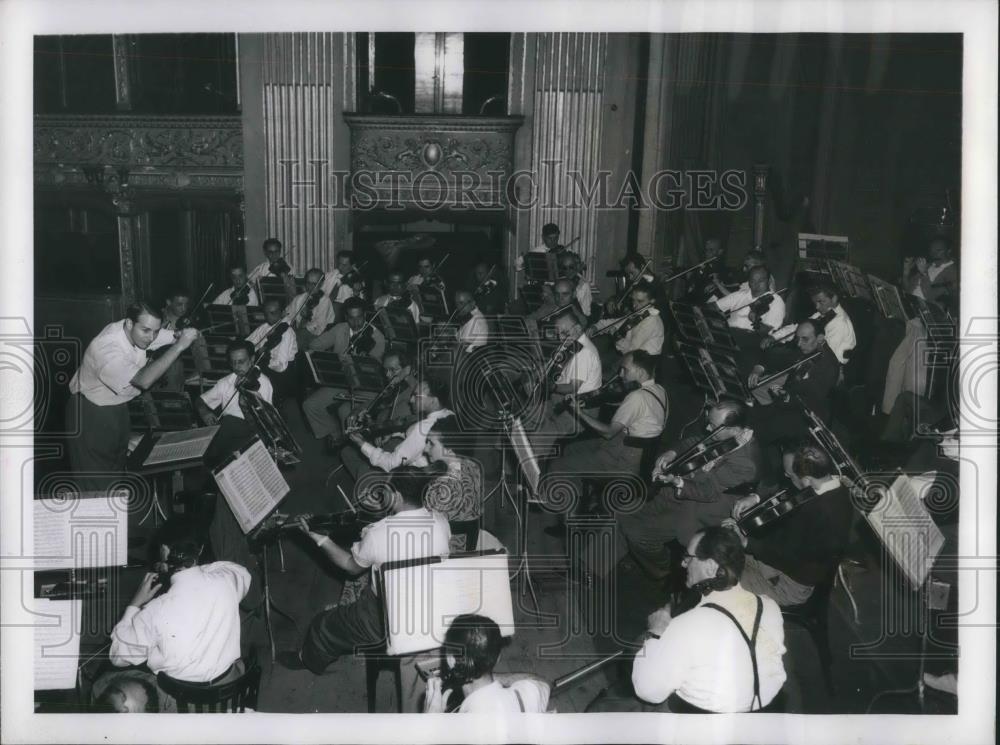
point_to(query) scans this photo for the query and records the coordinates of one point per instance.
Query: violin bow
(368, 324)
(197, 306)
(756, 299)
(619, 321)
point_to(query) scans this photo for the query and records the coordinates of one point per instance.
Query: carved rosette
(431, 159)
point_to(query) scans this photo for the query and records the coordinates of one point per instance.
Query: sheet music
(87, 531)
(180, 446)
(57, 643)
(907, 531)
(252, 485)
(422, 600)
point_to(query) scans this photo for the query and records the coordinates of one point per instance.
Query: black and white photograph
(365, 365)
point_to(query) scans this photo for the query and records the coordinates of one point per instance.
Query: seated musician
(632, 265)
(636, 425)
(327, 409)
(176, 307)
(129, 692)
(223, 397)
(184, 620)
(241, 293)
(722, 656)
(411, 531)
(787, 558)
(490, 289)
(474, 331)
(937, 281)
(580, 373)
(811, 383)
(838, 328)
(338, 285)
(275, 265)
(396, 296)
(310, 313)
(752, 260)
(429, 402)
(739, 304)
(647, 333)
(471, 650)
(425, 271)
(693, 496)
(571, 268)
(282, 348)
(353, 336)
(559, 295)
(550, 244)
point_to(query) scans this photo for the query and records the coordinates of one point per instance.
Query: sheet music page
(182, 445)
(906, 530)
(252, 485)
(88, 531)
(57, 644)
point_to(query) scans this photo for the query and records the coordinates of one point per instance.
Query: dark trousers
(342, 630)
(97, 442)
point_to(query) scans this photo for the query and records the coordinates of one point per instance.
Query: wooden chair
(234, 697)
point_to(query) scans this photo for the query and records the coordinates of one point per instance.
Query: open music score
(57, 644)
(252, 485)
(87, 531)
(181, 446)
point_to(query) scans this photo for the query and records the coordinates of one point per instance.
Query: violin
(362, 425)
(240, 295)
(187, 320)
(561, 357)
(279, 268)
(758, 308)
(250, 382)
(698, 456)
(310, 305)
(773, 508)
(631, 322)
(362, 342)
(611, 392)
(271, 341)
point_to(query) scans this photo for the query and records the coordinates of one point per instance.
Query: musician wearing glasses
(695, 475)
(354, 336)
(722, 656)
(223, 399)
(240, 293)
(788, 555)
(275, 265)
(643, 330)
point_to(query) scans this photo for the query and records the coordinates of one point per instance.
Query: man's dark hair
(736, 412)
(268, 242)
(404, 357)
(314, 270)
(475, 642)
(757, 257)
(824, 287)
(644, 286)
(185, 538)
(411, 482)
(141, 308)
(105, 703)
(240, 344)
(440, 388)
(724, 547)
(811, 460)
(234, 267)
(345, 254)
(550, 228)
(353, 303)
(632, 258)
(448, 429)
(644, 361)
(175, 292)
(274, 301)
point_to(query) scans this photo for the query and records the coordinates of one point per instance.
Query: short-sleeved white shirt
(110, 363)
(221, 394)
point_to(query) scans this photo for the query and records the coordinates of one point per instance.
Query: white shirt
(475, 332)
(412, 534)
(282, 354)
(541, 248)
(109, 364)
(646, 335)
(584, 366)
(643, 412)
(410, 451)
(225, 297)
(334, 278)
(263, 269)
(702, 655)
(741, 299)
(496, 698)
(934, 271)
(192, 632)
(221, 394)
(839, 333)
(583, 295)
(322, 315)
(384, 300)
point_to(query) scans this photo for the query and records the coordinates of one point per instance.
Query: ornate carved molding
(433, 159)
(140, 141)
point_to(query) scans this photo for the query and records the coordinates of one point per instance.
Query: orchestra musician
(410, 531)
(310, 313)
(550, 244)
(338, 285)
(752, 260)
(275, 265)
(788, 557)
(184, 619)
(644, 330)
(571, 268)
(753, 310)
(838, 328)
(580, 373)
(351, 337)
(692, 499)
(635, 427)
(634, 269)
(490, 293)
(937, 281)
(397, 296)
(241, 292)
(327, 409)
(115, 369)
(278, 338)
(474, 331)
(175, 310)
(723, 655)
(559, 295)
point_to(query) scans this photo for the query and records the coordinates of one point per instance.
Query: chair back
(233, 697)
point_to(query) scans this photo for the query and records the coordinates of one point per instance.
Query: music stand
(399, 326)
(540, 268)
(887, 298)
(328, 370)
(164, 411)
(274, 433)
(714, 371)
(247, 317)
(275, 288)
(703, 325)
(433, 302)
(816, 246)
(851, 280)
(221, 319)
(368, 375)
